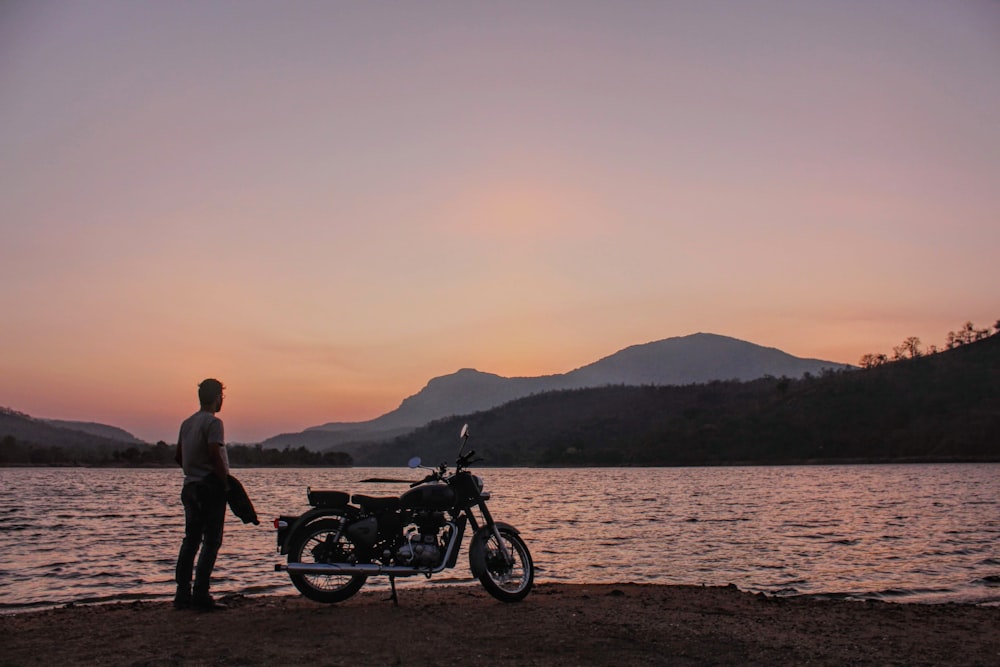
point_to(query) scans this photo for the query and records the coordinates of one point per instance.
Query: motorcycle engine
(422, 548)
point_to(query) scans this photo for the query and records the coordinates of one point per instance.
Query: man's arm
(179, 455)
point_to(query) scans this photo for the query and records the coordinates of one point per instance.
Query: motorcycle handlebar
(462, 462)
(429, 478)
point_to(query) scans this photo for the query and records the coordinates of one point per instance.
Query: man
(201, 452)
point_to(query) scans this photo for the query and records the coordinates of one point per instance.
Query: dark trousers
(204, 518)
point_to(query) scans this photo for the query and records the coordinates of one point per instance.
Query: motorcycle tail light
(279, 524)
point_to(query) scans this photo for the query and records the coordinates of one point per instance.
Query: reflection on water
(910, 533)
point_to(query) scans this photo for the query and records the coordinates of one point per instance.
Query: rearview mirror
(414, 462)
(465, 432)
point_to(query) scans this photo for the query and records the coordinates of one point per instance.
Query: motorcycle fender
(305, 520)
(477, 548)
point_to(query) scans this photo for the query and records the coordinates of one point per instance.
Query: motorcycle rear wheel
(316, 543)
(507, 582)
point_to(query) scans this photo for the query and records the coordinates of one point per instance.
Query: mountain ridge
(17, 428)
(940, 407)
(679, 360)
(95, 428)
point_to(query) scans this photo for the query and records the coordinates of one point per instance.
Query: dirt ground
(623, 624)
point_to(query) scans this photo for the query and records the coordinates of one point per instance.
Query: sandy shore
(623, 624)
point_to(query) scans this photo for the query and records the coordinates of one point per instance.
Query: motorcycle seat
(373, 503)
(327, 498)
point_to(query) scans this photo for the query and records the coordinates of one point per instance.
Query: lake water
(909, 533)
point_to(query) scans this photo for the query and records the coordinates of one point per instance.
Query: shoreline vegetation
(728, 464)
(557, 624)
(161, 455)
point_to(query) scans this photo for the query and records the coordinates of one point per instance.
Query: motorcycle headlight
(479, 483)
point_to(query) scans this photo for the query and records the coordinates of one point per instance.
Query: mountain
(697, 358)
(101, 430)
(693, 359)
(939, 407)
(20, 432)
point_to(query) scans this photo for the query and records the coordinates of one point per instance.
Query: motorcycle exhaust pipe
(368, 569)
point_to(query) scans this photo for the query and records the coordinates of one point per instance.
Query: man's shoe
(182, 600)
(206, 603)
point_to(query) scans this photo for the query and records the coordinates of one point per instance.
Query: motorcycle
(334, 547)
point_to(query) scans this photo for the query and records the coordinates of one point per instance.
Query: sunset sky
(326, 204)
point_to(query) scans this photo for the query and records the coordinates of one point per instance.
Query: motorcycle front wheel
(323, 542)
(506, 580)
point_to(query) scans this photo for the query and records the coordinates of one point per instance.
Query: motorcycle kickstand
(392, 585)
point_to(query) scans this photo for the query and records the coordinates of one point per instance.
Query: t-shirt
(197, 432)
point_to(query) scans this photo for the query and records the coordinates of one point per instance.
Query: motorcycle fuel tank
(428, 496)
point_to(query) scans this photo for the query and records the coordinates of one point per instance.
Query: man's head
(210, 394)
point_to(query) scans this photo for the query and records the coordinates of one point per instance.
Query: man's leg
(194, 528)
(213, 496)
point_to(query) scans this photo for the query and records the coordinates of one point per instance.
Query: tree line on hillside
(17, 453)
(910, 348)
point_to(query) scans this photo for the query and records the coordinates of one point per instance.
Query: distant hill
(697, 358)
(941, 407)
(20, 432)
(27, 441)
(102, 430)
